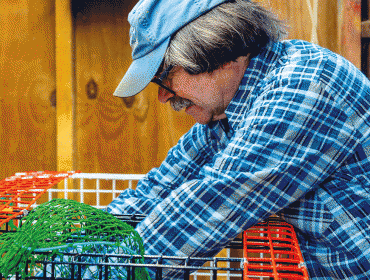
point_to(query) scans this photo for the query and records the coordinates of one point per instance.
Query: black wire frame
(215, 266)
(104, 266)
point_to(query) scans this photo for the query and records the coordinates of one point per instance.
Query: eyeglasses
(159, 81)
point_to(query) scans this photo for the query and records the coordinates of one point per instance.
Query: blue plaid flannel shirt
(298, 147)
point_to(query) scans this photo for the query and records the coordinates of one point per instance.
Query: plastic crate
(271, 251)
(20, 192)
(268, 250)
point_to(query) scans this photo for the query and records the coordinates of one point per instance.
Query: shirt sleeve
(292, 138)
(183, 163)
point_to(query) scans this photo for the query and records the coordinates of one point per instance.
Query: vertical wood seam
(65, 86)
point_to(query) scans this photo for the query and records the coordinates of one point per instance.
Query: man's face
(204, 96)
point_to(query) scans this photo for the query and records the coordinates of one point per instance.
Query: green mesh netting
(61, 229)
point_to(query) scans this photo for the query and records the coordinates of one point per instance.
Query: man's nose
(164, 95)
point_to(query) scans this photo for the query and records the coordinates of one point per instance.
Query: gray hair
(223, 34)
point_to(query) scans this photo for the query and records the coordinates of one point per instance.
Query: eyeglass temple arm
(165, 73)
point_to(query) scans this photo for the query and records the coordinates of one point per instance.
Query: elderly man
(282, 128)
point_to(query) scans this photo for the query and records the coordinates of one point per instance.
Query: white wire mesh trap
(99, 189)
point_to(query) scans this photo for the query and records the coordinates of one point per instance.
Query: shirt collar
(259, 67)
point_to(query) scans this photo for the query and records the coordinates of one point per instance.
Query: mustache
(179, 103)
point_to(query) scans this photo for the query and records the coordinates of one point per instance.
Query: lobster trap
(268, 250)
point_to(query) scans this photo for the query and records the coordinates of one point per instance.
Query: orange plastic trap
(271, 251)
(19, 192)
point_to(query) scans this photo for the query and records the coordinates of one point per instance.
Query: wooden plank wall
(333, 24)
(27, 86)
(349, 30)
(105, 133)
(65, 85)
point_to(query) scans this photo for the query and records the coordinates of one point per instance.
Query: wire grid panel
(80, 187)
(271, 251)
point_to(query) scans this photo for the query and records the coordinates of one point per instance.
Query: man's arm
(293, 137)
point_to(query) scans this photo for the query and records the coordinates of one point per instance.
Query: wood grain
(65, 95)
(27, 84)
(349, 29)
(295, 13)
(339, 24)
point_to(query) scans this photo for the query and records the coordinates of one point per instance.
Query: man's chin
(198, 114)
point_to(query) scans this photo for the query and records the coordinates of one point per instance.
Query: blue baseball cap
(153, 22)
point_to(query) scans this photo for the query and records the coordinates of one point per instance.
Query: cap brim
(141, 72)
